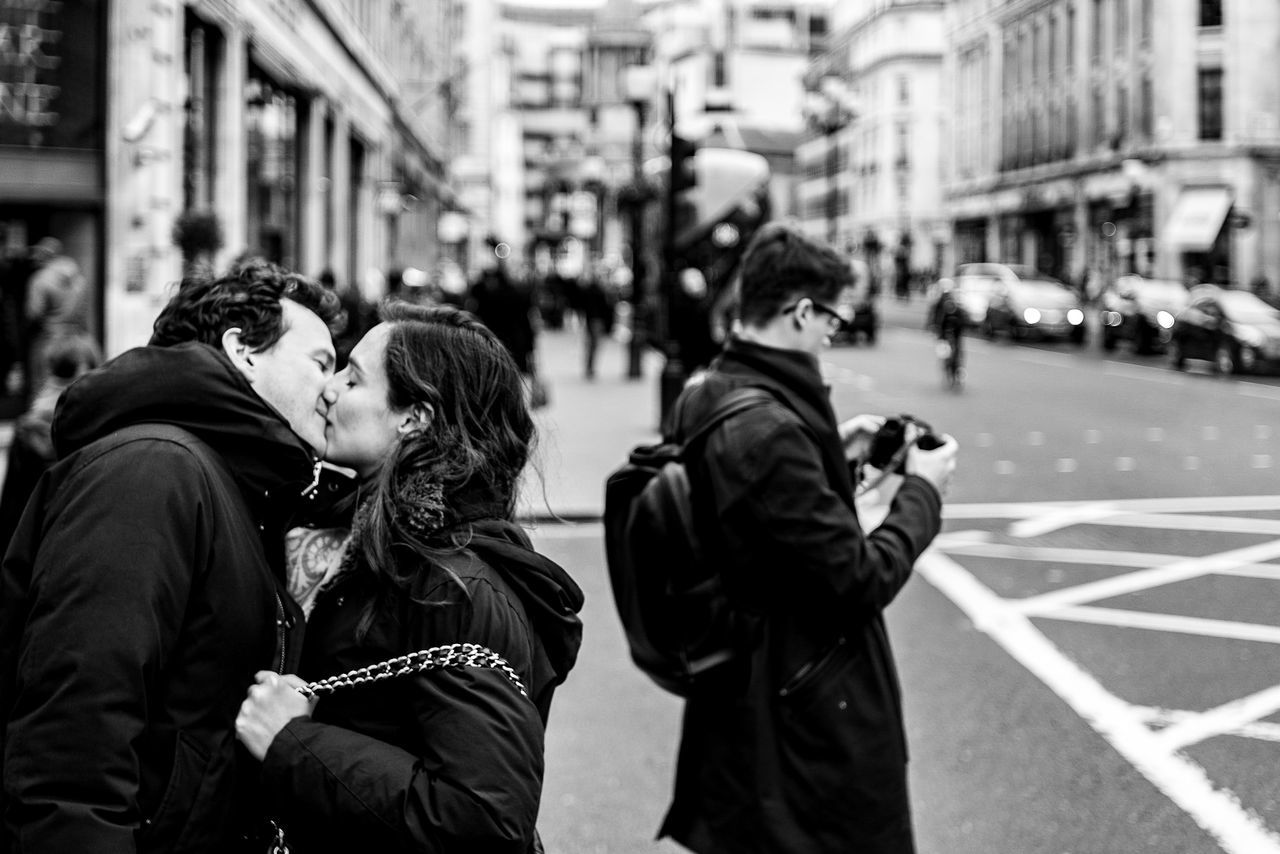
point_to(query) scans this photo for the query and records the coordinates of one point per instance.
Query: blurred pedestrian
(798, 744)
(353, 319)
(595, 303)
(57, 303)
(507, 310)
(430, 414)
(144, 585)
(68, 358)
(16, 268)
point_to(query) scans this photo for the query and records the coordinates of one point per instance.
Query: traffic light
(683, 175)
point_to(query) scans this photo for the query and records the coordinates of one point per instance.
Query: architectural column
(339, 258)
(230, 190)
(313, 256)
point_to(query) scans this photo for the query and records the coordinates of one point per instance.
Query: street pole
(639, 274)
(673, 376)
(833, 185)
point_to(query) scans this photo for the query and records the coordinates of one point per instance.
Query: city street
(1087, 655)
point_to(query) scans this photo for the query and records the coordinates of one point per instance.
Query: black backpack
(678, 622)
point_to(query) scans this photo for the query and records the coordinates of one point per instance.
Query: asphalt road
(1087, 653)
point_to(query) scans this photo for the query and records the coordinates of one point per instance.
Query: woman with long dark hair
(442, 749)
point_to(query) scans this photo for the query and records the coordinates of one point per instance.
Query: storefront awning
(1197, 218)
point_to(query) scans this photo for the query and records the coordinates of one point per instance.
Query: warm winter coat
(803, 750)
(445, 761)
(141, 592)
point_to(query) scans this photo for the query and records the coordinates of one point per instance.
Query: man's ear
(419, 417)
(238, 352)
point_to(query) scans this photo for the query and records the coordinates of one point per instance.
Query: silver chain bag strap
(453, 656)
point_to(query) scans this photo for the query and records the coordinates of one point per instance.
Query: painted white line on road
(1190, 522)
(1265, 392)
(1263, 571)
(1142, 373)
(1035, 438)
(1057, 519)
(1210, 434)
(1182, 781)
(1155, 434)
(1126, 464)
(1261, 461)
(1187, 504)
(1259, 730)
(1225, 718)
(1092, 437)
(1160, 576)
(960, 539)
(1150, 621)
(1066, 465)
(1191, 463)
(1045, 554)
(1262, 432)
(1005, 467)
(984, 440)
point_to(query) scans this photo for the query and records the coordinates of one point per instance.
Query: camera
(888, 446)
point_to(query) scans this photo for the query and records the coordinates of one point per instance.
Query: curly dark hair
(247, 296)
(475, 447)
(782, 265)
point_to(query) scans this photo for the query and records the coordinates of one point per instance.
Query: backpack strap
(736, 401)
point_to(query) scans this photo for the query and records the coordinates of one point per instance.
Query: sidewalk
(588, 428)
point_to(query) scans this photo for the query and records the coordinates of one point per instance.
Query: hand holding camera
(907, 445)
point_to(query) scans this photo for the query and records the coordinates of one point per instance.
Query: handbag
(454, 656)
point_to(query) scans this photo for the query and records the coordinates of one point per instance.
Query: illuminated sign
(51, 72)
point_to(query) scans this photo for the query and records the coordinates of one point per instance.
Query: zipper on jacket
(810, 669)
(282, 624)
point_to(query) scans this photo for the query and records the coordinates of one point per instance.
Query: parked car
(866, 315)
(1034, 305)
(1140, 311)
(1234, 329)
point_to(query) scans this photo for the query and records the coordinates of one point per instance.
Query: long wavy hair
(474, 448)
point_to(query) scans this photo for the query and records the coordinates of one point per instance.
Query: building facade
(310, 130)
(1093, 138)
(873, 177)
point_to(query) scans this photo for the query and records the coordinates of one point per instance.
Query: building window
(1099, 116)
(1146, 109)
(719, 77)
(1210, 13)
(1069, 53)
(1210, 106)
(904, 90)
(1146, 25)
(1099, 13)
(1122, 26)
(1122, 112)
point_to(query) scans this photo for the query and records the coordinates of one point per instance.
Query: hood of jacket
(550, 596)
(193, 386)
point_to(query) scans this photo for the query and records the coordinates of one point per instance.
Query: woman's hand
(272, 703)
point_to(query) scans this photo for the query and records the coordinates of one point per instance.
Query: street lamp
(827, 111)
(639, 83)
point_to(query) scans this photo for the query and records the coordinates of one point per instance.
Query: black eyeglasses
(842, 314)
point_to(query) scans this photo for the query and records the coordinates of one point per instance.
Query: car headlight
(1164, 319)
(1249, 336)
(1031, 315)
(1075, 317)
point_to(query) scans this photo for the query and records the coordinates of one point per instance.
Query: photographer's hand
(856, 434)
(935, 466)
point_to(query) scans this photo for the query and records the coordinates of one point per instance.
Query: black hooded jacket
(142, 590)
(444, 761)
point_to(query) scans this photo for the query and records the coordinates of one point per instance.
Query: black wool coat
(803, 750)
(142, 590)
(444, 761)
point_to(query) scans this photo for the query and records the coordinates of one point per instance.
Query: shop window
(202, 52)
(271, 122)
(1210, 103)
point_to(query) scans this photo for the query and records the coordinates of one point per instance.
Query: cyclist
(948, 322)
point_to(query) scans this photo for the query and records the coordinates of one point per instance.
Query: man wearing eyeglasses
(801, 747)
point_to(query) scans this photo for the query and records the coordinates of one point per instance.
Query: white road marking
(984, 440)
(1260, 730)
(1160, 576)
(1185, 504)
(1262, 432)
(1092, 437)
(1191, 463)
(1064, 518)
(1155, 434)
(1266, 392)
(1065, 465)
(1092, 557)
(1005, 467)
(1143, 373)
(1035, 438)
(1225, 718)
(1191, 522)
(1184, 782)
(1040, 357)
(1210, 434)
(1261, 461)
(1176, 624)
(1126, 464)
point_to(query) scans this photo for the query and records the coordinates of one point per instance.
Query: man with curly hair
(145, 585)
